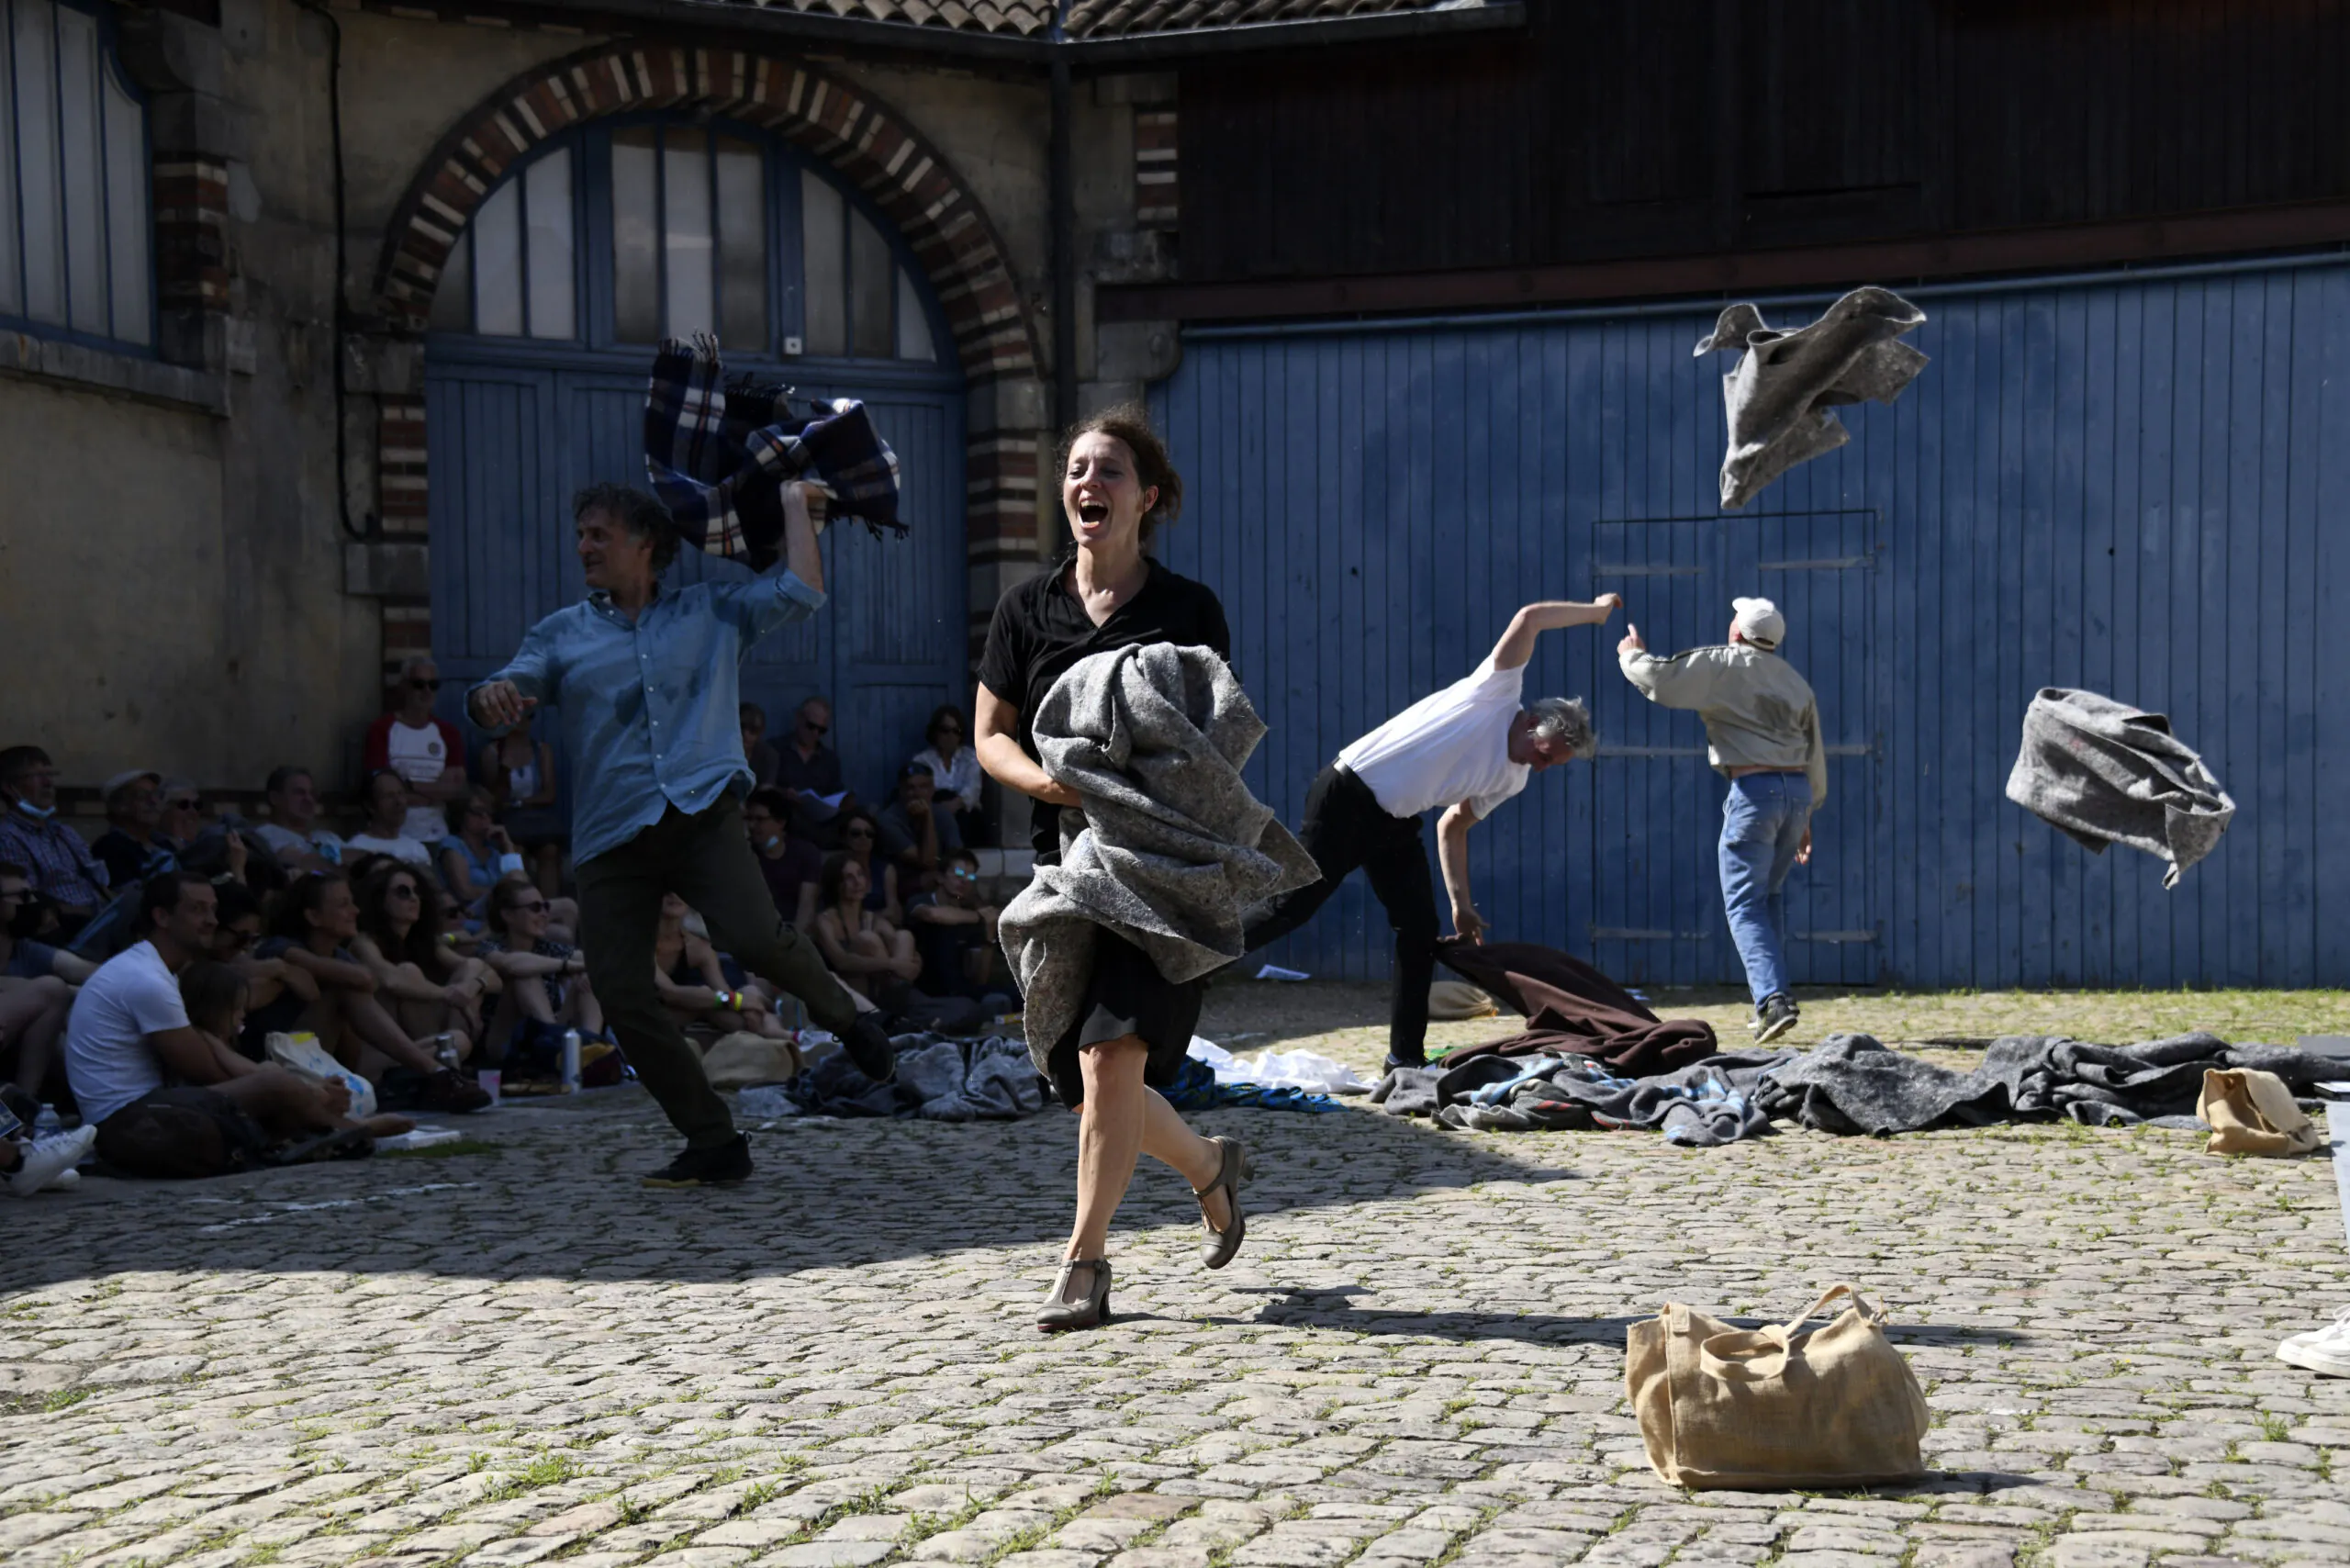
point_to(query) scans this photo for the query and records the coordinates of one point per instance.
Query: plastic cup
(490, 1081)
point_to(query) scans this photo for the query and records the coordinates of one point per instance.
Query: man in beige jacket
(1762, 735)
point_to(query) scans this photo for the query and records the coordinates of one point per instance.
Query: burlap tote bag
(2250, 1112)
(1773, 1408)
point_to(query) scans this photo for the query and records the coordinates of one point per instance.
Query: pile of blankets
(939, 1080)
(1708, 1103)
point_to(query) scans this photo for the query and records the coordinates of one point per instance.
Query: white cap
(124, 780)
(1758, 621)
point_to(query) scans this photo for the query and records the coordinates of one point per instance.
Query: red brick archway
(830, 118)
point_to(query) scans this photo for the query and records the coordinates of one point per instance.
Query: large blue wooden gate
(2120, 483)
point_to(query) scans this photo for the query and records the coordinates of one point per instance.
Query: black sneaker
(1395, 1061)
(722, 1165)
(869, 1050)
(1774, 1017)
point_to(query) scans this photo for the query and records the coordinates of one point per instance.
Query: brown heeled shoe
(1090, 1310)
(1220, 1246)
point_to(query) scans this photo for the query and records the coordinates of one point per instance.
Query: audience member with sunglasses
(421, 747)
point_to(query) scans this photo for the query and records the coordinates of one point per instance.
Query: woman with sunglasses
(429, 988)
(692, 979)
(385, 795)
(314, 927)
(544, 980)
(476, 853)
(1133, 1026)
(860, 835)
(953, 769)
(276, 993)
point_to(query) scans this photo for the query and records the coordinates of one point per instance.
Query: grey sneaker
(1774, 1017)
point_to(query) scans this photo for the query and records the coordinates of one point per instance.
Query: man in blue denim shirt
(646, 681)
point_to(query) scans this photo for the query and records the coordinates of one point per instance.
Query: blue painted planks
(2112, 484)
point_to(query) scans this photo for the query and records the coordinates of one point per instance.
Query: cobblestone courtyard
(513, 1353)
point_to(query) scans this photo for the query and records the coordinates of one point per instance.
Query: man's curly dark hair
(635, 512)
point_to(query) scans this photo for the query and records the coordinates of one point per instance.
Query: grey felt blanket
(1780, 393)
(1169, 847)
(2105, 772)
(1703, 1105)
(1852, 1084)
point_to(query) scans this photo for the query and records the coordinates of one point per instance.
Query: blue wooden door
(2125, 485)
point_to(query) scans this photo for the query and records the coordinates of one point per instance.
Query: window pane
(85, 244)
(873, 288)
(12, 296)
(914, 321)
(686, 234)
(42, 198)
(547, 200)
(497, 264)
(453, 302)
(126, 131)
(636, 227)
(823, 243)
(741, 244)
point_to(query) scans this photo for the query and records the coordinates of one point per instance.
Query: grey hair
(1564, 719)
(415, 662)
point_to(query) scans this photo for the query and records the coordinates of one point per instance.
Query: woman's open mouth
(1094, 511)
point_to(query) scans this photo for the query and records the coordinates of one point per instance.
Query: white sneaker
(2325, 1350)
(49, 1159)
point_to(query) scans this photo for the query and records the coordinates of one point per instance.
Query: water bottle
(444, 1052)
(570, 1075)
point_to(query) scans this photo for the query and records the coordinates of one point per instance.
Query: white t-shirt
(1445, 749)
(420, 755)
(408, 851)
(281, 838)
(107, 1058)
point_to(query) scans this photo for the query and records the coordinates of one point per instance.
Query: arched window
(75, 259)
(627, 234)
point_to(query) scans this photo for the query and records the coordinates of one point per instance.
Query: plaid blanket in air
(718, 457)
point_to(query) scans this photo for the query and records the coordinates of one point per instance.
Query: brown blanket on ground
(1569, 1006)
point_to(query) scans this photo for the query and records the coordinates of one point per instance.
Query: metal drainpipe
(341, 314)
(1062, 179)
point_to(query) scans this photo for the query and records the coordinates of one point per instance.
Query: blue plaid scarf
(719, 459)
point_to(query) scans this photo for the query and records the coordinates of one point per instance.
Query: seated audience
(694, 984)
(425, 750)
(434, 993)
(519, 770)
(292, 833)
(761, 757)
(955, 774)
(138, 1062)
(868, 953)
(313, 926)
(216, 996)
(955, 935)
(860, 833)
(276, 993)
(183, 821)
(37, 983)
(477, 852)
(70, 881)
(809, 773)
(386, 796)
(914, 833)
(545, 981)
(129, 849)
(790, 864)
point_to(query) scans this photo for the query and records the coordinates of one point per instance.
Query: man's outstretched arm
(1517, 645)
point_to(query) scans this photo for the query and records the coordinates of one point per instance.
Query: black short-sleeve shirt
(1041, 630)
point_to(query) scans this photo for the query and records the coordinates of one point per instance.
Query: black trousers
(706, 860)
(1345, 827)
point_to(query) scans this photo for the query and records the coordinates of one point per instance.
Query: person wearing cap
(131, 849)
(1469, 748)
(1762, 735)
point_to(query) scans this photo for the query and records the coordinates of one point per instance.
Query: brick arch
(824, 116)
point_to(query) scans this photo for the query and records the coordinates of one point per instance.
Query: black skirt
(1127, 995)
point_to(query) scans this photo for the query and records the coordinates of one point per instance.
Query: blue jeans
(1763, 826)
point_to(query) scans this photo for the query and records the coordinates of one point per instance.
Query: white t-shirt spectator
(408, 851)
(283, 840)
(108, 1058)
(1445, 749)
(419, 754)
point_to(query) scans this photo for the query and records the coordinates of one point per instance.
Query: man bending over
(1469, 748)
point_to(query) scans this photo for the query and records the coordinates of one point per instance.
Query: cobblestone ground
(514, 1353)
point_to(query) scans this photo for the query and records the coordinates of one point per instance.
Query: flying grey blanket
(1778, 395)
(2103, 772)
(1169, 847)
(1852, 1084)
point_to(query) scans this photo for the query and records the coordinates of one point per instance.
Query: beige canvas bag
(2251, 1112)
(1720, 1407)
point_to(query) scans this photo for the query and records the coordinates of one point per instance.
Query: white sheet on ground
(1280, 1069)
